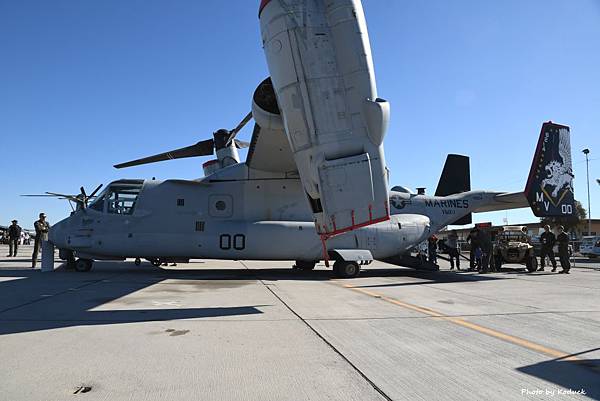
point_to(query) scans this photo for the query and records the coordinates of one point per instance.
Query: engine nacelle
(265, 109)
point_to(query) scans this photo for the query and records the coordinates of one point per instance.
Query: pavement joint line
(322, 338)
(481, 329)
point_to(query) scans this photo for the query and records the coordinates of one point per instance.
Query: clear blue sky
(86, 84)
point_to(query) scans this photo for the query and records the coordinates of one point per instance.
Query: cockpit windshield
(120, 197)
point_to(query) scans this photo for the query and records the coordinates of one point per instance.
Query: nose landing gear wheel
(343, 269)
(138, 261)
(71, 261)
(83, 265)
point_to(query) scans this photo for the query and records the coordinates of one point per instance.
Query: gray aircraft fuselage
(242, 213)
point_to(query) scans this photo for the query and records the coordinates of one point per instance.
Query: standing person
(485, 242)
(478, 254)
(14, 235)
(563, 250)
(432, 248)
(548, 240)
(41, 234)
(453, 252)
(473, 240)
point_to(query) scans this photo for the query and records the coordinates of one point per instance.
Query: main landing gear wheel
(155, 262)
(137, 261)
(343, 269)
(83, 265)
(304, 265)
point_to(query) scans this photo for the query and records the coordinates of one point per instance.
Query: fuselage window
(122, 196)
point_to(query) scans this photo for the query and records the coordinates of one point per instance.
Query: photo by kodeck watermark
(552, 392)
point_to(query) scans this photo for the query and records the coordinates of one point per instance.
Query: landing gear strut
(343, 269)
(83, 265)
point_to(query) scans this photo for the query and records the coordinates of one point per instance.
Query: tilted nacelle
(320, 62)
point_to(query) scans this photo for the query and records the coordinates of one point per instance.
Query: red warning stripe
(263, 3)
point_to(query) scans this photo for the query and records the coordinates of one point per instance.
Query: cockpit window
(122, 195)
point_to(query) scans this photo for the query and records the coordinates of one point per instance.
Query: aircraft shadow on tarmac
(34, 301)
(582, 374)
(441, 277)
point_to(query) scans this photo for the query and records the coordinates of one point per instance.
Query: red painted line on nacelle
(263, 4)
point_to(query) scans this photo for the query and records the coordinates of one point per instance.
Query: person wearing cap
(563, 250)
(14, 235)
(41, 234)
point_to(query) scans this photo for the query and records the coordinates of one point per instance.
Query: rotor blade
(73, 198)
(241, 144)
(39, 195)
(95, 190)
(82, 189)
(237, 129)
(53, 195)
(242, 123)
(202, 148)
(60, 195)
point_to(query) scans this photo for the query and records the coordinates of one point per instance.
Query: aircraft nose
(56, 235)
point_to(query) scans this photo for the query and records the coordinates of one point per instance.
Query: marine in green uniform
(14, 235)
(41, 234)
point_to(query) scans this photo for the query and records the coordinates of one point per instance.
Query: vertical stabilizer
(455, 178)
(549, 189)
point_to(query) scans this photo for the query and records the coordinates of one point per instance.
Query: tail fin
(455, 178)
(549, 189)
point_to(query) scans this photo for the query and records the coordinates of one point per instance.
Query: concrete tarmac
(242, 330)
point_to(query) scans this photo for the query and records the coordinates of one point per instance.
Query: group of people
(450, 244)
(481, 249)
(15, 232)
(548, 240)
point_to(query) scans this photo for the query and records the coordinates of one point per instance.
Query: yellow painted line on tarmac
(473, 326)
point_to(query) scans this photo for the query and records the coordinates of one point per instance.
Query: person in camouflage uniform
(41, 234)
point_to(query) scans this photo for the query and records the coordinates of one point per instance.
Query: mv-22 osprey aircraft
(314, 185)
